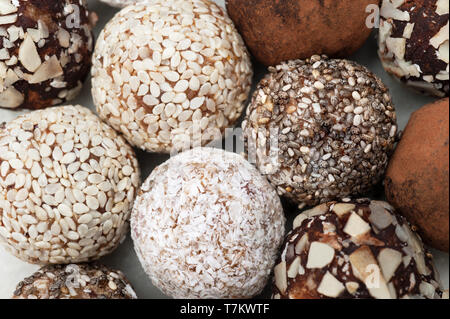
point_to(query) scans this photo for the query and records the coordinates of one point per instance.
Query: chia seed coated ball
(170, 73)
(413, 43)
(206, 224)
(45, 51)
(67, 182)
(354, 251)
(75, 281)
(321, 129)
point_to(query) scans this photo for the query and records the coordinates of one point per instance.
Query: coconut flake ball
(171, 74)
(321, 129)
(206, 224)
(67, 181)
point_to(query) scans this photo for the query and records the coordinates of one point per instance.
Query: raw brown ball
(82, 281)
(45, 51)
(417, 181)
(277, 31)
(359, 250)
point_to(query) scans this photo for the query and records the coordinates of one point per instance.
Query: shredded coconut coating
(67, 183)
(206, 224)
(169, 73)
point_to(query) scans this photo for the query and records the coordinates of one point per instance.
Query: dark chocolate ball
(413, 43)
(45, 51)
(354, 250)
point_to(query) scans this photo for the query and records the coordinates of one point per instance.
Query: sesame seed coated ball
(122, 3)
(321, 129)
(45, 51)
(354, 250)
(67, 181)
(75, 281)
(206, 224)
(171, 72)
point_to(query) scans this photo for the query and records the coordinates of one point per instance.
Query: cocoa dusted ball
(75, 281)
(413, 43)
(277, 31)
(45, 51)
(417, 179)
(354, 250)
(320, 129)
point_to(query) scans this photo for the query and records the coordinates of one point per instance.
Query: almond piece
(11, 98)
(299, 220)
(442, 7)
(397, 46)
(9, 19)
(440, 37)
(28, 54)
(48, 70)
(389, 260)
(364, 264)
(443, 52)
(330, 286)
(356, 226)
(379, 216)
(301, 244)
(343, 209)
(320, 255)
(281, 277)
(294, 268)
(6, 7)
(352, 287)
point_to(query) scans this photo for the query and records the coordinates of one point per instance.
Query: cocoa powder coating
(417, 181)
(277, 31)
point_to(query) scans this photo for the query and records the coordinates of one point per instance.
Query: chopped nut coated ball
(45, 51)
(75, 281)
(354, 250)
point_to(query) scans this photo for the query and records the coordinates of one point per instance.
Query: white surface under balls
(124, 258)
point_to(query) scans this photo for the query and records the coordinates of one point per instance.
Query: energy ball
(417, 178)
(75, 281)
(171, 74)
(45, 51)
(354, 251)
(320, 129)
(67, 182)
(206, 224)
(413, 43)
(277, 31)
(123, 3)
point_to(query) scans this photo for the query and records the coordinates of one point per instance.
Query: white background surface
(13, 270)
